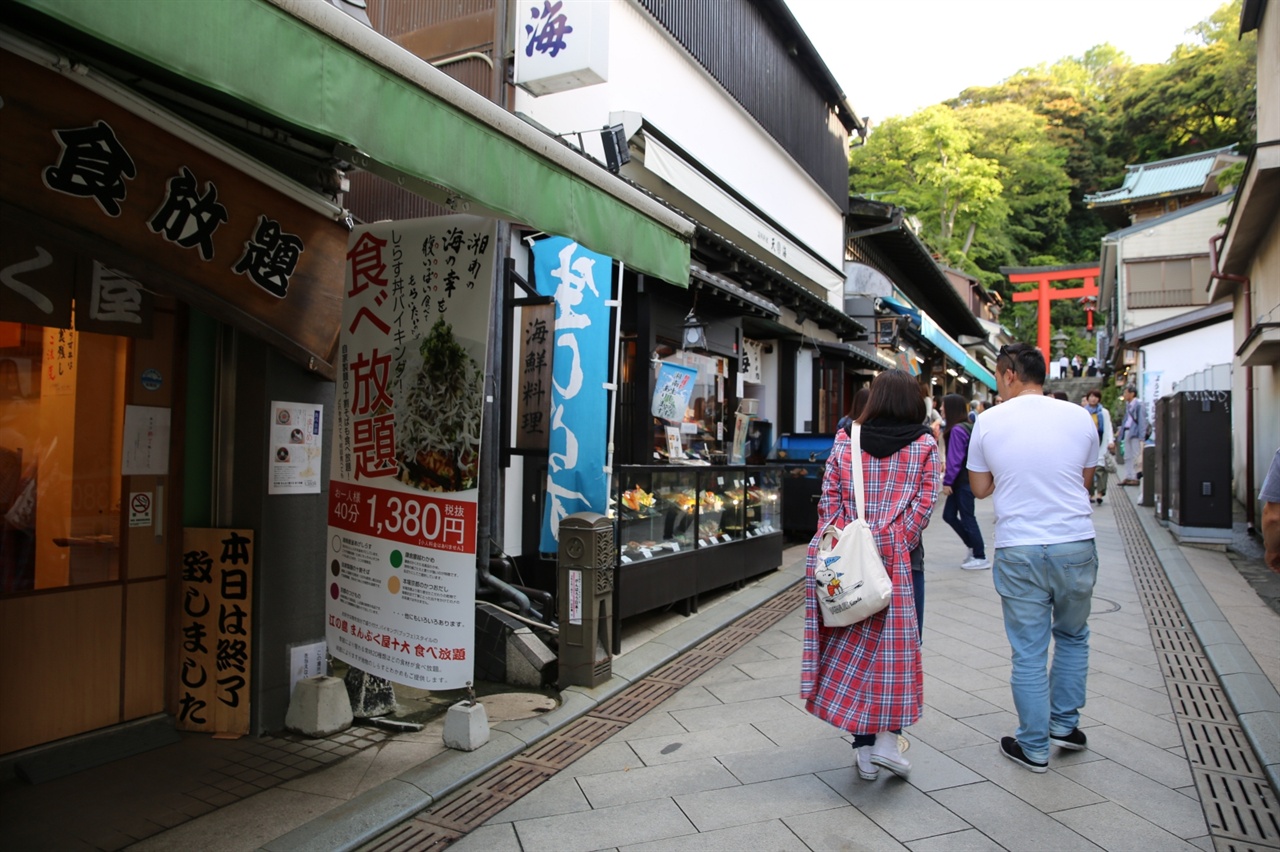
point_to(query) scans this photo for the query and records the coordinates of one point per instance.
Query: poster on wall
(1152, 389)
(672, 390)
(294, 448)
(581, 282)
(214, 658)
(400, 579)
(145, 450)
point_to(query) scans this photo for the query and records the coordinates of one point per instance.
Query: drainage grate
(1191, 668)
(415, 836)
(1178, 641)
(565, 746)
(636, 701)
(687, 667)
(468, 810)
(729, 640)
(1239, 808)
(1239, 805)
(1219, 747)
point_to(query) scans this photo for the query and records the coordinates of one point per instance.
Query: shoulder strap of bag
(855, 462)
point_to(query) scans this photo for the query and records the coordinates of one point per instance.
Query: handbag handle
(859, 487)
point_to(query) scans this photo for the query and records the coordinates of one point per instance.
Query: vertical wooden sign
(215, 628)
(533, 386)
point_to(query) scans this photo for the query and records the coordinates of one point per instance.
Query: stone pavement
(732, 761)
(1179, 750)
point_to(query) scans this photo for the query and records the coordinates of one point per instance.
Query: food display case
(801, 461)
(687, 529)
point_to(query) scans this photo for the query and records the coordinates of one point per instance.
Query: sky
(893, 57)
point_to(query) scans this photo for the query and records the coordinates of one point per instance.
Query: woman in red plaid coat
(867, 678)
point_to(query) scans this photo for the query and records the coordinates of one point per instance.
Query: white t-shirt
(1037, 448)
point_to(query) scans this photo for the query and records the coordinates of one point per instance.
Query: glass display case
(683, 530)
(801, 461)
(656, 512)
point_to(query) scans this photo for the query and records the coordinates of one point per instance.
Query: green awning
(268, 58)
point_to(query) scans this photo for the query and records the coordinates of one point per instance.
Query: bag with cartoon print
(850, 579)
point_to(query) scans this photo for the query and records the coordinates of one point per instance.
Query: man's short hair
(1131, 389)
(1025, 360)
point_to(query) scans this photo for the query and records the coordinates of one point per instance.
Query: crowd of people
(1044, 461)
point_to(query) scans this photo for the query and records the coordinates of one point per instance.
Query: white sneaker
(975, 563)
(885, 753)
(968, 554)
(867, 770)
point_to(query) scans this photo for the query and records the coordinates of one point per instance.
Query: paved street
(732, 761)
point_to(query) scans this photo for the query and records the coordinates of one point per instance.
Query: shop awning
(313, 67)
(900, 308)
(939, 338)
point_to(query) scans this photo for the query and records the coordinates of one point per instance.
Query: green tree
(1031, 169)
(926, 159)
(1204, 97)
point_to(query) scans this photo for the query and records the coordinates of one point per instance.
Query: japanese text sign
(582, 283)
(533, 382)
(400, 585)
(216, 625)
(133, 190)
(672, 390)
(561, 44)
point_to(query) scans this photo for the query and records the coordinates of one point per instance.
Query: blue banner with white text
(581, 282)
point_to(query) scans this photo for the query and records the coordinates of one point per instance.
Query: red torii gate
(1044, 293)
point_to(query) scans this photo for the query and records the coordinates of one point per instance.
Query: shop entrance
(85, 525)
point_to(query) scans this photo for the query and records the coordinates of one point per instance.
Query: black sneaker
(1009, 748)
(1074, 741)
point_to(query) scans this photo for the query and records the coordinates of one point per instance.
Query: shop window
(704, 431)
(61, 442)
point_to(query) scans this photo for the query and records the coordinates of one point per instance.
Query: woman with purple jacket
(958, 510)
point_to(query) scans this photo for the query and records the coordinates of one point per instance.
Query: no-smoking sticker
(140, 509)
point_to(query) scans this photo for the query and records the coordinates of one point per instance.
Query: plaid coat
(868, 677)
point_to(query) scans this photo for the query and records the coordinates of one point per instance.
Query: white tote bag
(851, 582)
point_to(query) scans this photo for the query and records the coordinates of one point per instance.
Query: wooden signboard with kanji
(533, 389)
(215, 631)
(149, 202)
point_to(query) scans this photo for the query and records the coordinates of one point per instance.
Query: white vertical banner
(400, 596)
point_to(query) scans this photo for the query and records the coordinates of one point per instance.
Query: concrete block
(466, 726)
(319, 707)
(528, 657)
(370, 695)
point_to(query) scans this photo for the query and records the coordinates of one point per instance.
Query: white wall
(650, 73)
(1178, 357)
(804, 388)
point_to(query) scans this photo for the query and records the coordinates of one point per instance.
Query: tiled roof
(1175, 176)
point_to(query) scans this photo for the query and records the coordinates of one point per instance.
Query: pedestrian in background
(1092, 403)
(1133, 431)
(859, 402)
(1064, 367)
(1037, 456)
(1269, 496)
(867, 678)
(957, 512)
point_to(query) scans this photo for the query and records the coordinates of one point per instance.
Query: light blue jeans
(1047, 590)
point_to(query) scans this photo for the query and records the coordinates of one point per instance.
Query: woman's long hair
(860, 398)
(955, 411)
(895, 395)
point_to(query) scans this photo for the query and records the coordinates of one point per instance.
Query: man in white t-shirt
(1037, 455)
